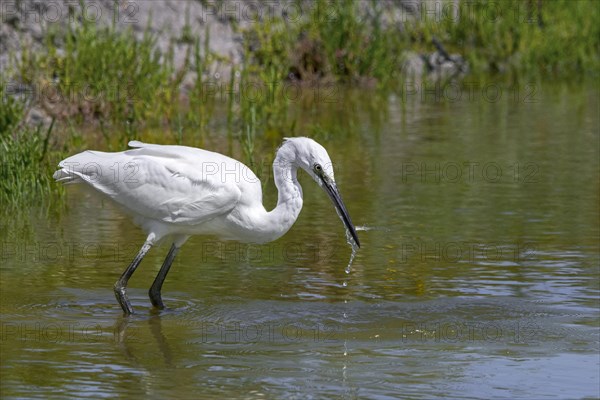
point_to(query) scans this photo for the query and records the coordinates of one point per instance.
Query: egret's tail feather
(136, 143)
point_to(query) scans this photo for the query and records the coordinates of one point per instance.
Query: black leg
(154, 292)
(121, 284)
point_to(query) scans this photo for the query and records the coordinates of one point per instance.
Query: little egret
(179, 191)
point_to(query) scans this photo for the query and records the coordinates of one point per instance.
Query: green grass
(12, 111)
(109, 87)
(558, 38)
(335, 41)
(105, 74)
(124, 74)
(25, 158)
(338, 41)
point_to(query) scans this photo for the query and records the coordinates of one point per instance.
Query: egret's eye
(318, 168)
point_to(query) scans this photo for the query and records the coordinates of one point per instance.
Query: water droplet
(351, 242)
(344, 284)
(354, 246)
(217, 75)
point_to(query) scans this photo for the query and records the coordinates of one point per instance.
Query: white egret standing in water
(179, 191)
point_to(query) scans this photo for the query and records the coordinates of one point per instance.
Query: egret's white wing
(166, 183)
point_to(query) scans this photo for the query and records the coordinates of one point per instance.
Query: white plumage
(179, 191)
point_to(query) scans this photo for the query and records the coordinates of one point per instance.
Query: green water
(477, 277)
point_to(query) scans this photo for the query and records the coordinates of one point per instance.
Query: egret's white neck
(268, 226)
(289, 199)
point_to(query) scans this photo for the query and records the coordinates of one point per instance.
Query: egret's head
(310, 156)
(313, 158)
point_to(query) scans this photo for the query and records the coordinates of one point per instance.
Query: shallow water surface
(477, 277)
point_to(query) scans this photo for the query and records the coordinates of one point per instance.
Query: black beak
(334, 194)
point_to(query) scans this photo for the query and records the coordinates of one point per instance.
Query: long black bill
(334, 194)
